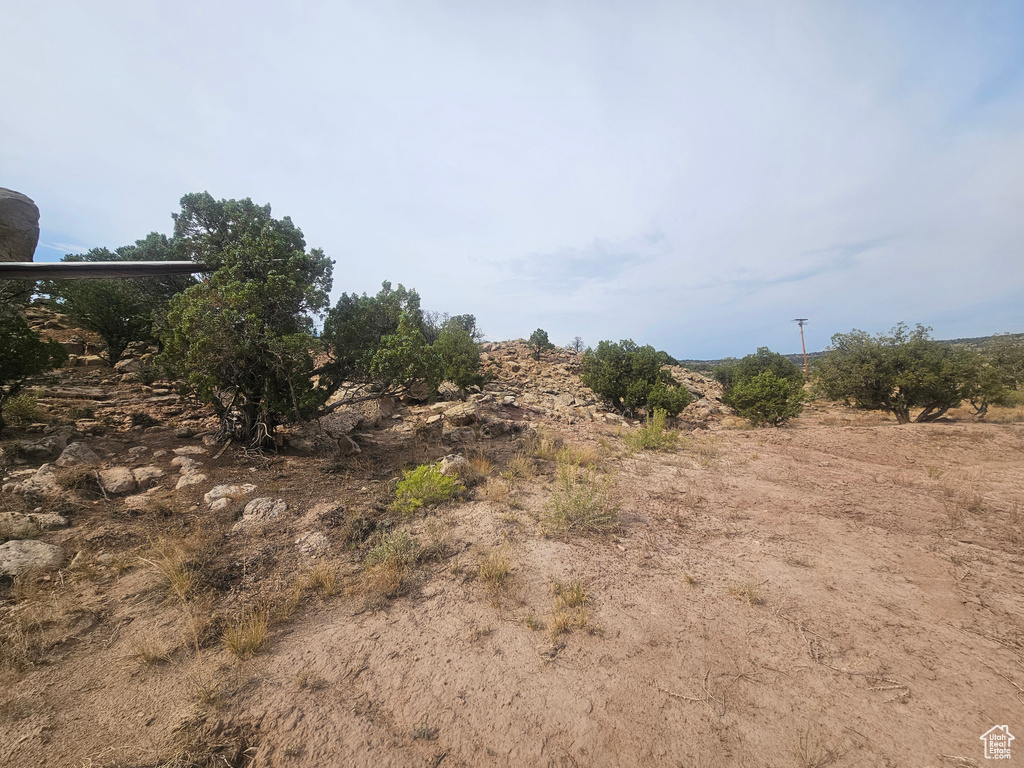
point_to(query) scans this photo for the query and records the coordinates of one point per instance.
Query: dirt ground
(842, 591)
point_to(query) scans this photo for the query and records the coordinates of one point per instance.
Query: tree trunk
(931, 413)
(902, 415)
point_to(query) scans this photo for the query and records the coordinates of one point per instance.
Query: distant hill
(977, 342)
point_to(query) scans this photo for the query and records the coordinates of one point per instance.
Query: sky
(690, 175)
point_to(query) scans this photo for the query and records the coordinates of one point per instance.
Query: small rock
(259, 511)
(460, 435)
(43, 481)
(117, 480)
(77, 453)
(48, 521)
(16, 557)
(183, 432)
(190, 450)
(220, 504)
(128, 365)
(147, 476)
(453, 464)
(137, 452)
(461, 414)
(192, 478)
(228, 492)
(311, 542)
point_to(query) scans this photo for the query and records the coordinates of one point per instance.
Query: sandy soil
(831, 593)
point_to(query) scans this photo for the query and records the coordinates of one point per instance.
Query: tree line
(244, 340)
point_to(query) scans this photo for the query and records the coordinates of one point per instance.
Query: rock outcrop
(19, 226)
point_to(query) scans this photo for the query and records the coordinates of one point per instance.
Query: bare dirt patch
(841, 592)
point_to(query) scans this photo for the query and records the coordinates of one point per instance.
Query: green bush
(732, 371)
(767, 399)
(765, 387)
(423, 487)
(631, 377)
(900, 371)
(22, 354)
(580, 503)
(243, 338)
(539, 342)
(653, 436)
(396, 548)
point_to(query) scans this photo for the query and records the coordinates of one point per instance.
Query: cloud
(687, 174)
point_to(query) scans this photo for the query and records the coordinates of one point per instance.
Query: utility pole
(800, 321)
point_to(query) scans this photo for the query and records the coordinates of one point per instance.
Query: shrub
(22, 409)
(423, 487)
(388, 565)
(22, 354)
(896, 373)
(733, 372)
(539, 342)
(765, 387)
(123, 310)
(630, 377)
(766, 399)
(653, 436)
(242, 339)
(581, 503)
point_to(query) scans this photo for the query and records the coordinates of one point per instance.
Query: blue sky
(690, 175)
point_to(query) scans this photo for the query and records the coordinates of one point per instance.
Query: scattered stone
(312, 543)
(93, 361)
(508, 400)
(117, 480)
(41, 482)
(16, 557)
(453, 464)
(190, 450)
(16, 526)
(48, 447)
(460, 435)
(183, 432)
(193, 478)
(461, 414)
(228, 492)
(137, 452)
(128, 365)
(146, 477)
(48, 521)
(210, 440)
(260, 511)
(77, 453)
(220, 504)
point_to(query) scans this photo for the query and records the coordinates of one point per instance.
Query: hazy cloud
(688, 174)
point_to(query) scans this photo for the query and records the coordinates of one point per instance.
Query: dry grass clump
(747, 592)
(389, 566)
(814, 749)
(1005, 414)
(581, 502)
(520, 467)
(247, 635)
(653, 436)
(479, 467)
(172, 564)
(323, 580)
(494, 569)
(148, 649)
(580, 455)
(82, 479)
(543, 445)
(496, 490)
(569, 611)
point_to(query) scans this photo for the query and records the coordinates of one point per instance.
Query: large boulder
(19, 226)
(16, 557)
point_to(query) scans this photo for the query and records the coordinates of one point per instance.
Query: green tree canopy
(630, 377)
(898, 372)
(242, 339)
(539, 342)
(123, 310)
(733, 371)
